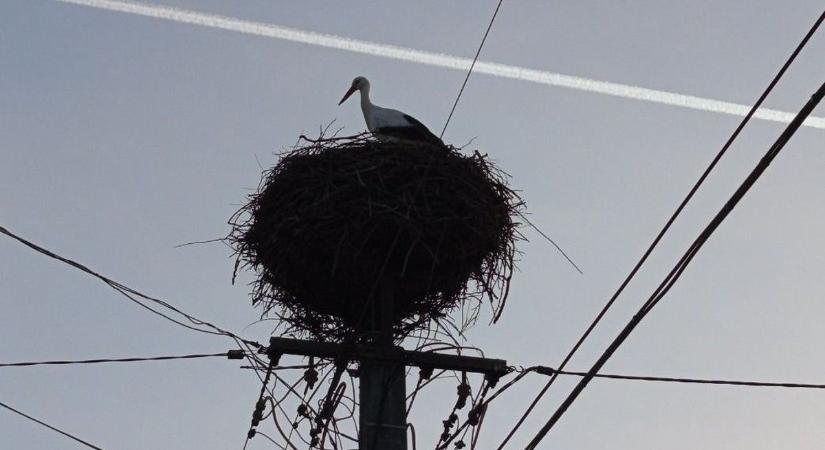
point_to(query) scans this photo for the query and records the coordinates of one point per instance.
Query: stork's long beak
(349, 92)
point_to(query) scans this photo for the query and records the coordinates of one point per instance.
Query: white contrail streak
(439, 59)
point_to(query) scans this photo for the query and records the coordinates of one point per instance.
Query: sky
(123, 136)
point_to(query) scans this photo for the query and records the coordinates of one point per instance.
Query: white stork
(389, 123)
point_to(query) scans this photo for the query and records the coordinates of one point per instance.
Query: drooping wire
(70, 436)
(679, 268)
(444, 443)
(134, 295)
(667, 225)
(470, 70)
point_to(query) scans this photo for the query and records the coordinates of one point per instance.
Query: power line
(450, 116)
(668, 224)
(549, 371)
(136, 296)
(49, 426)
(543, 370)
(679, 268)
(132, 294)
(231, 354)
(472, 66)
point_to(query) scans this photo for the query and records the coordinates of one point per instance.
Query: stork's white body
(389, 123)
(378, 117)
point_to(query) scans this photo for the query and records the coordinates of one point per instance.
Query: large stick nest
(339, 227)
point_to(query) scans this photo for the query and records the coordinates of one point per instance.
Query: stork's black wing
(415, 132)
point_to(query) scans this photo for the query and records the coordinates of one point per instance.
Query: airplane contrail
(439, 59)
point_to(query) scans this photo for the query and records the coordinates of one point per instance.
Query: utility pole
(382, 395)
(383, 403)
(382, 389)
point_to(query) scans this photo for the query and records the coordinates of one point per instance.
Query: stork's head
(358, 84)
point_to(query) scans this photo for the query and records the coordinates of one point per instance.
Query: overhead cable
(669, 222)
(70, 436)
(134, 295)
(231, 354)
(671, 279)
(470, 70)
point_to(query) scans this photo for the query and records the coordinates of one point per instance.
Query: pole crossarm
(493, 368)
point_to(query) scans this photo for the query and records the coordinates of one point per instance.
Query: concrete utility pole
(383, 403)
(382, 385)
(383, 420)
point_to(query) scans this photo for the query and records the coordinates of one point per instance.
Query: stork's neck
(366, 104)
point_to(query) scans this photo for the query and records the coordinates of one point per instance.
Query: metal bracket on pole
(494, 368)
